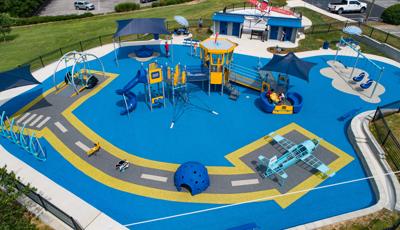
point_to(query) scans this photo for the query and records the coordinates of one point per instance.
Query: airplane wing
(314, 162)
(282, 174)
(285, 143)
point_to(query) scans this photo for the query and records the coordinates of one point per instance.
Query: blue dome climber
(192, 176)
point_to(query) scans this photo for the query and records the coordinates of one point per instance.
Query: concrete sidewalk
(300, 3)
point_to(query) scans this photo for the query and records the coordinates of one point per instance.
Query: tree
(391, 15)
(12, 214)
(5, 25)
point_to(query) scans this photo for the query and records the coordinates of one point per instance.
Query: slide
(131, 102)
(130, 99)
(141, 77)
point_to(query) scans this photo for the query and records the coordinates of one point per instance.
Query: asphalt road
(64, 7)
(376, 12)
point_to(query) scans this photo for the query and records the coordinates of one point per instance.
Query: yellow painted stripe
(234, 157)
(140, 190)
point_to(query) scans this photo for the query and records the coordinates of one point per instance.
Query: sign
(281, 11)
(272, 160)
(261, 6)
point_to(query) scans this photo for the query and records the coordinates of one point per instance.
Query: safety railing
(372, 32)
(245, 71)
(50, 207)
(248, 6)
(49, 57)
(386, 134)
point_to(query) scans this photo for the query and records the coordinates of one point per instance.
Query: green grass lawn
(315, 40)
(29, 42)
(393, 122)
(380, 132)
(32, 41)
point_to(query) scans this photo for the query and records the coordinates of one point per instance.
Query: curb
(371, 154)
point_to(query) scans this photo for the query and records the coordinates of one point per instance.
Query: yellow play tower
(217, 54)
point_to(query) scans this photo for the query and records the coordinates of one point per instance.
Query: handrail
(244, 68)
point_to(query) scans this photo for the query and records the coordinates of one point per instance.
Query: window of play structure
(228, 57)
(155, 75)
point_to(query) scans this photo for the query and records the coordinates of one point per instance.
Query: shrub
(43, 19)
(20, 8)
(391, 15)
(126, 6)
(12, 214)
(5, 25)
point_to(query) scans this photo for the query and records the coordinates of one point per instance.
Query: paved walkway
(299, 3)
(63, 7)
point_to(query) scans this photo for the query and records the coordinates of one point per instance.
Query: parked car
(84, 5)
(347, 6)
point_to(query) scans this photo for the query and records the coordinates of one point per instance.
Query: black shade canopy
(141, 26)
(17, 77)
(289, 64)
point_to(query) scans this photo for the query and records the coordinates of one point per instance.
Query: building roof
(222, 45)
(221, 17)
(285, 22)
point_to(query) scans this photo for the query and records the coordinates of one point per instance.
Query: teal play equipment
(21, 137)
(192, 176)
(293, 154)
(346, 42)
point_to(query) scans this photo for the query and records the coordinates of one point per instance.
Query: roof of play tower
(221, 45)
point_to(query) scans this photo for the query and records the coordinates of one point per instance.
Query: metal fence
(249, 6)
(372, 32)
(385, 134)
(47, 58)
(51, 56)
(48, 206)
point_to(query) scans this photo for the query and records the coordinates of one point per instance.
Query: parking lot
(376, 12)
(63, 7)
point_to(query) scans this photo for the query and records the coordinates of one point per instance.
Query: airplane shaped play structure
(293, 153)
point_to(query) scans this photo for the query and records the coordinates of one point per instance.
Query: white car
(347, 6)
(83, 5)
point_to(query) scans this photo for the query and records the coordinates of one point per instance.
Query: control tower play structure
(217, 54)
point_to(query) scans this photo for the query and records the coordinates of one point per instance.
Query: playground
(193, 131)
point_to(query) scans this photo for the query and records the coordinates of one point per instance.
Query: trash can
(325, 46)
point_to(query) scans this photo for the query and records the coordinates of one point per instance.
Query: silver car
(84, 5)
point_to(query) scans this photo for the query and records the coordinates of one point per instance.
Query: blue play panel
(199, 135)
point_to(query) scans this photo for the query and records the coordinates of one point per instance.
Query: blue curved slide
(130, 97)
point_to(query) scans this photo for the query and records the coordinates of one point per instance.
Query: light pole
(370, 11)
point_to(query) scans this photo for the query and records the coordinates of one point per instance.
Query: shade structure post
(337, 51)
(172, 49)
(377, 81)
(115, 53)
(355, 64)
